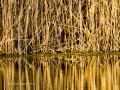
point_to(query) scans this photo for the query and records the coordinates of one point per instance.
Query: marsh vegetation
(52, 26)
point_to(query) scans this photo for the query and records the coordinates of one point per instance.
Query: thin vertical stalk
(47, 27)
(71, 25)
(80, 25)
(19, 28)
(26, 29)
(36, 26)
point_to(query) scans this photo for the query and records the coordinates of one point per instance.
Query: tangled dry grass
(59, 26)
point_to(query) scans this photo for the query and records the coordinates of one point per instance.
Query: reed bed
(51, 26)
(68, 72)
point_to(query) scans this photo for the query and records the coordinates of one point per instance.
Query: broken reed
(60, 26)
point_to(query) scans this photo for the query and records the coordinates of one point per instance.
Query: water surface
(65, 72)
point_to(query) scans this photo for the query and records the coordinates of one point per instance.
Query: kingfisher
(89, 34)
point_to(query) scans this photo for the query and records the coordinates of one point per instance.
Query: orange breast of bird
(89, 34)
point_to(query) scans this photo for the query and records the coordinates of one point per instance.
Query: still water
(65, 72)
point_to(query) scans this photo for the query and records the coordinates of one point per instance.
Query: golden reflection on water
(69, 72)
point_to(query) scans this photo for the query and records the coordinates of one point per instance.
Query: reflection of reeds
(73, 72)
(59, 26)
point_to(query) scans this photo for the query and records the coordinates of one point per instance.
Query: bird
(90, 33)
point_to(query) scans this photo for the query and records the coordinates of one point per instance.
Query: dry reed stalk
(32, 18)
(42, 39)
(64, 22)
(26, 28)
(36, 22)
(71, 25)
(12, 42)
(88, 24)
(3, 21)
(20, 27)
(80, 25)
(47, 27)
(10, 22)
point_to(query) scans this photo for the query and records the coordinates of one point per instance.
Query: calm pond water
(69, 72)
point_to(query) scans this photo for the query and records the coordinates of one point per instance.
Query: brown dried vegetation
(38, 26)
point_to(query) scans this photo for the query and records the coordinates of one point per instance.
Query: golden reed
(50, 26)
